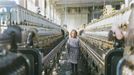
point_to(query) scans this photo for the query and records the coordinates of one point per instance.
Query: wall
(49, 11)
(74, 21)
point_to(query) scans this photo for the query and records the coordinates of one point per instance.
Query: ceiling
(85, 3)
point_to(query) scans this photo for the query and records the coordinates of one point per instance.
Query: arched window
(3, 10)
(3, 16)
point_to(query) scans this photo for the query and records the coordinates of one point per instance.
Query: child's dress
(73, 50)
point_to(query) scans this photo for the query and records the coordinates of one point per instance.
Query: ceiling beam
(86, 4)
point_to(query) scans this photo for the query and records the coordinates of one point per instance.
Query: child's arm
(79, 50)
(68, 46)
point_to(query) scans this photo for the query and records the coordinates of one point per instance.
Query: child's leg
(75, 69)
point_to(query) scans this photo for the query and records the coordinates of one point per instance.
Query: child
(73, 50)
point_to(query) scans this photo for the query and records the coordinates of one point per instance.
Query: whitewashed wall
(31, 6)
(50, 11)
(42, 5)
(74, 21)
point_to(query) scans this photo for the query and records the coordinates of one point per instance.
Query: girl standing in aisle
(73, 50)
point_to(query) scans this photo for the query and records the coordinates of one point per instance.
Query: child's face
(73, 34)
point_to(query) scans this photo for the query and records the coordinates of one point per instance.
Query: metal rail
(103, 40)
(53, 53)
(92, 52)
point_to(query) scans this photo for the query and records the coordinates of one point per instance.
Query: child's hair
(73, 31)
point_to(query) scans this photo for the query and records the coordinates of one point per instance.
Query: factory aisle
(64, 67)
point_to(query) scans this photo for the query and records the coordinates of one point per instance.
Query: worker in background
(73, 51)
(15, 36)
(30, 37)
(5, 44)
(116, 35)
